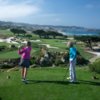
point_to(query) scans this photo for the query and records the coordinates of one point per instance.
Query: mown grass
(5, 33)
(4, 44)
(82, 51)
(48, 84)
(9, 54)
(13, 54)
(60, 43)
(62, 47)
(56, 43)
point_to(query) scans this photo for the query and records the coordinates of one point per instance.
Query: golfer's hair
(28, 43)
(70, 44)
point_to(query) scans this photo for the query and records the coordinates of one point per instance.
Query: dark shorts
(24, 63)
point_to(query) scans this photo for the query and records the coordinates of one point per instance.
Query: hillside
(31, 27)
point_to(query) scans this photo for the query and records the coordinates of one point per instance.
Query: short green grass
(9, 54)
(62, 47)
(48, 84)
(5, 33)
(12, 54)
(82, 51)
(60, 43)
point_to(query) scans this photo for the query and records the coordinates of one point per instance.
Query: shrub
(12, 47)
(9, 63)
(5, 65)
(32, 60)
(29, 36)
(81, 60)
(58, 61)
(95, 67)
(2, 48)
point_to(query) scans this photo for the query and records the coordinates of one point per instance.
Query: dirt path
(97, 55)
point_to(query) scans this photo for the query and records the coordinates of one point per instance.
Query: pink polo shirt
(25, 52)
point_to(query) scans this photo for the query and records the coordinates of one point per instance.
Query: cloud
(9, 10)
(29, 11)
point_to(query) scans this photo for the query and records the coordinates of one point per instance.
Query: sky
(85, 13)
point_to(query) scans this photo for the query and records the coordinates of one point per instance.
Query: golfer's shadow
(89, 82)
(48, 81)
(64, 82)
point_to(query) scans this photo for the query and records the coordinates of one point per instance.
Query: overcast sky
(52, 12)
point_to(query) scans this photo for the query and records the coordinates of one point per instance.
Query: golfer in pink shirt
(25, 60)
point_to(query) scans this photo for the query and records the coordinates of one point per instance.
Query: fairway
(48, 84)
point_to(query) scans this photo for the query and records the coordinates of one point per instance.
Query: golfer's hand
(20, 47)
(71, 61)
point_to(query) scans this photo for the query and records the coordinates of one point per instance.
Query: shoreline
(77, 33)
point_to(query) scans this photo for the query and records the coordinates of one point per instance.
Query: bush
(29, 36)
(58, 61)
(9, 63)
(95, 67)
(81, 60)
(12, 47)
(2, 48)
(57, 58)
(5, 65)
(32, 60)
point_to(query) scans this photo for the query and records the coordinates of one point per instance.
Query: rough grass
(48, 84)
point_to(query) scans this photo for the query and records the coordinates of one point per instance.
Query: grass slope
(48, 84)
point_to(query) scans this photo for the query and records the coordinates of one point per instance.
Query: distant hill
(31, 27)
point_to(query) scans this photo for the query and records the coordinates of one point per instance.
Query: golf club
(65, 74)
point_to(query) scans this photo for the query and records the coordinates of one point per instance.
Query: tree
(21, 31)
(47, 34)
(88, 39)
(29, 36)
(40, 33)
(18, 31)
(14, 31)
(52, 33)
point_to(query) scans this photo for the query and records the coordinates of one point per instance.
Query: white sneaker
(24, 80)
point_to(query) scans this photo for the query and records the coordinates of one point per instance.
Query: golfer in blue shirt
(72, 61)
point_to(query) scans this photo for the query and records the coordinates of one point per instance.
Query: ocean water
(78, 33)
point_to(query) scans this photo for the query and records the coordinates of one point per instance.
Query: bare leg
(22, 72)
(25, 73)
